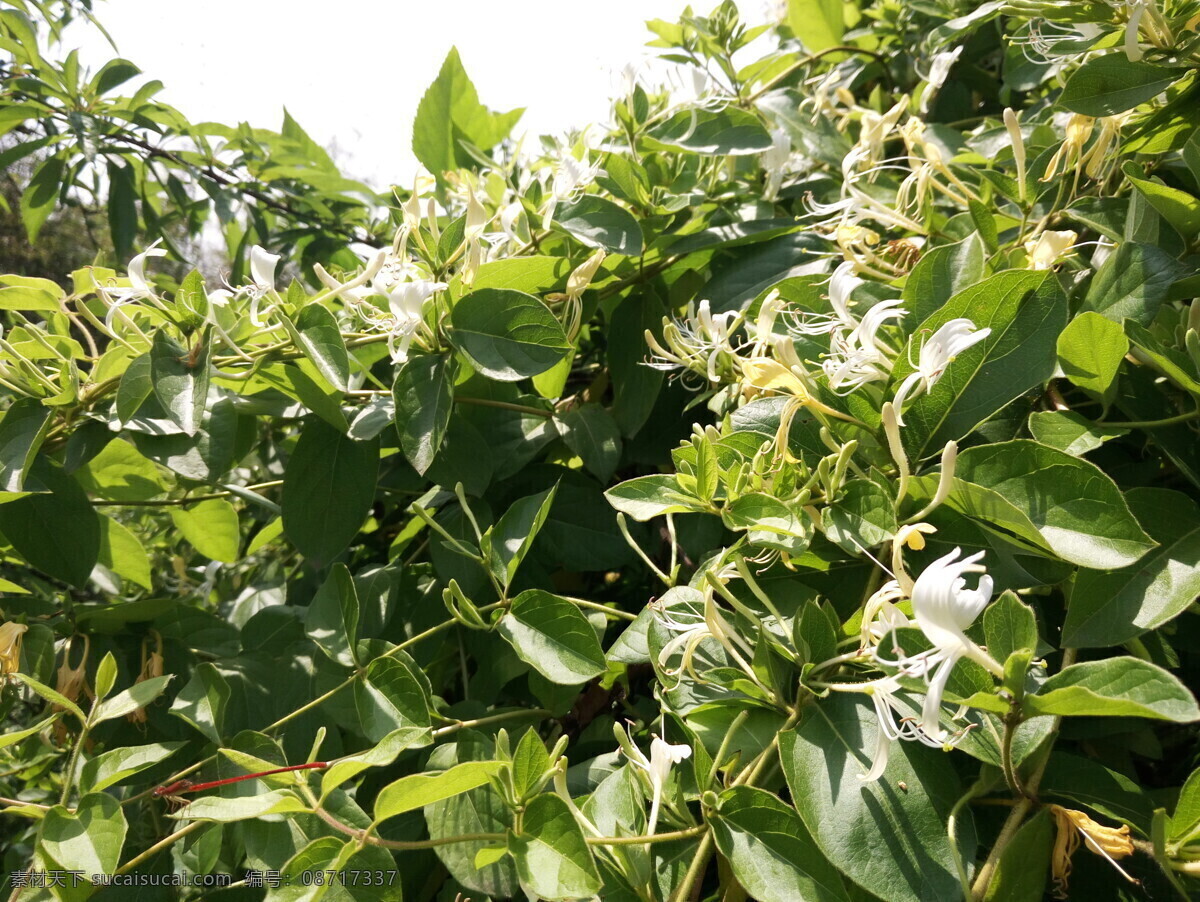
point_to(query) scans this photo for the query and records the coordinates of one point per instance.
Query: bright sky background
(352, 72)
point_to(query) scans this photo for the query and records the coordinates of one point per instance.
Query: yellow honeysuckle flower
(1110, 843)
(10, 647)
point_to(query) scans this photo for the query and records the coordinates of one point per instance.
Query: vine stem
(159, 846)
(1021, 810)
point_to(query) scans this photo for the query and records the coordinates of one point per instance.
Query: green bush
(786, 490)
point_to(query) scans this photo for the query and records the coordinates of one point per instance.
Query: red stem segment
(182, 786)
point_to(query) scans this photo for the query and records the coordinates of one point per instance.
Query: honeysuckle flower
(944, 608)
(10, 647)
(1013, 124)
(895, 723)
(911, 536)
(571, 177)
(139, 286)
(939, 69)
(692, 628)
(881, 616)
(858, 356)
(700, 342)
(262, 268)
(1047, 248)
(510, 218)
(406, 301)
(1098, 159)
(936, 353)
(152, 666)
(1069, 153)
(663, 756)
(1110, 843)
(775, 162)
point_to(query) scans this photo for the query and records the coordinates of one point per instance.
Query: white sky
(352, 72)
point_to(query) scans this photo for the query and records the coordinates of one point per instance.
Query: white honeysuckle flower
(775, 162)
(571, 177)
(895, 723)
(406, 301)
(510, 217)
(944, 608)
(858, 357)
(663, 756)
(262, 268)
(691, 628)
(881, 616)
(139, 286)
(939, 69)
(696, 342)
(1135, 9)
(936, 353)
(1047, 248)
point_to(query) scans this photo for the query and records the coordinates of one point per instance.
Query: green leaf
(635, 386)
(381, 754)
(1132, 283)
(863, 516)
(7, 739)
(122, 552)
(318, 335)
(1023, 866)
(1180, 209)
(22, 431)
(1070, 505)
(137, 696)
(942, 273)
(57, 532)
(478, 810)
(180, 385)
(424, 396)
(135, 387)
(818, 24)
(113, 767)
(529, 764)
(1185, 819)
(1114, 687)
(772, 855)
(202, 701)
(242, 808)
(88, 839)
(122, 208)
(328, 488)
(212, 528)
(598, 222)
(1108, 607)
(1090, 351)
(450, 112)
(507, 335)
(507, 543)
(332, 617)
(41, 195)
(1025, 311)
(645, 497)
(722, 132)
(1009, 625)
(418, 790)
(120, 473)
(889, 839)
(50, 695)
(1070, 432)
(390, 697)
(25, 298)
(1113, 83)
(592, 433)
(553, 860)
(1171, 363)
(550, 634)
